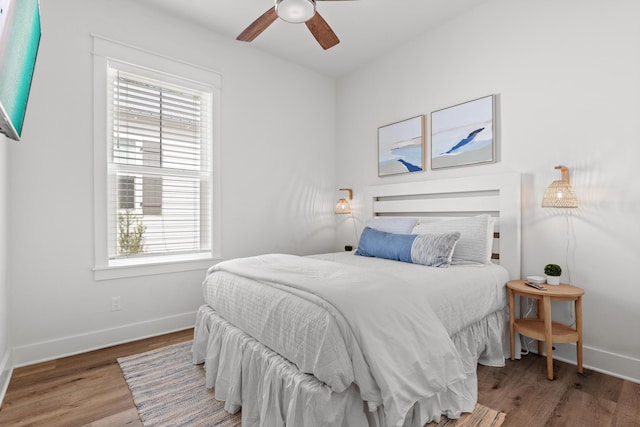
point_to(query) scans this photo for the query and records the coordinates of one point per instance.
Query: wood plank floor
(89, 390)
(83, 390)
(522, 391)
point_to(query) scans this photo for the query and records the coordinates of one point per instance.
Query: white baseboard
(616, 365)
(5, 374)
(595, 359)
(94, 340)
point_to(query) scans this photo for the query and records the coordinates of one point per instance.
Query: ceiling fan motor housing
(295, 11)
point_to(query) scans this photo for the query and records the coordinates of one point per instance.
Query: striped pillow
(434, 249)
(476, 237)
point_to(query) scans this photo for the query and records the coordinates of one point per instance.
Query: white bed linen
(391, 320)
(310, 337)
(480, 305)
(274, 393)
(271, 391)
(460, 294)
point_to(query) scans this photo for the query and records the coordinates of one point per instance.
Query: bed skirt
(272, 391)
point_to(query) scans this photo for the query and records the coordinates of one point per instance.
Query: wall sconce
(343, 206)
(560, 194)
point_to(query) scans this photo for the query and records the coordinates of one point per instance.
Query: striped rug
(169, 390)
(480, 417)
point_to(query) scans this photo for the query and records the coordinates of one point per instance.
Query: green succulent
(552, 270)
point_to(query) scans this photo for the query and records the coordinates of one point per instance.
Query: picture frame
(464, 134)
(401, 147)
(19, 42)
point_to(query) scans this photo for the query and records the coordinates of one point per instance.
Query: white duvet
(348, 324)
(460, 295)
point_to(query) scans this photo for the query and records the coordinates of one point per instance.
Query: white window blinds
(159, 164)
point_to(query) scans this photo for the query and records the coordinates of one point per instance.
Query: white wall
(278, 178)
(5, 351)
(567, 78)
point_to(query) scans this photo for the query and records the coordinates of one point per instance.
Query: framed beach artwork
(19, 42)
(464, 134)
(401, 147)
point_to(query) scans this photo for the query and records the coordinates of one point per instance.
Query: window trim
(105, 50)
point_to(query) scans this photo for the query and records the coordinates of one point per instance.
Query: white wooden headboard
(497, 195)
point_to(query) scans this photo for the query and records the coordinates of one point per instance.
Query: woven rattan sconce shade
(560, 194)
(343, 206)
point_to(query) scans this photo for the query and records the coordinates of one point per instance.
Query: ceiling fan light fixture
(295, 11)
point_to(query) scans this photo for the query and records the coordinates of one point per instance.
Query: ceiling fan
(295, 11)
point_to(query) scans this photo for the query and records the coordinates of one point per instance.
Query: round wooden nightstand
(543, 329)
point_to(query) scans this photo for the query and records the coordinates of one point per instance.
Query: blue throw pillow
(380, 244)
(427, 249)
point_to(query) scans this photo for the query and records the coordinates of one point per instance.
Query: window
(158, 173)
(159, 138)
(126, 186)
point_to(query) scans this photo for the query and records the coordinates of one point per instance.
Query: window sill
(145, 267)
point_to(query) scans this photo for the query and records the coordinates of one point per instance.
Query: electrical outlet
(115, 304)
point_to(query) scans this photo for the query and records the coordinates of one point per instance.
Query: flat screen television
(19, 41)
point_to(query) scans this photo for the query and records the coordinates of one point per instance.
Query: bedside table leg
(540, 312)
(512, 316)
(579, 330)
(548, 334)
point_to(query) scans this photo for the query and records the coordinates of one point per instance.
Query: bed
(346, 340)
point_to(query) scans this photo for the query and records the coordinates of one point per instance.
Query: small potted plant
(553, 272)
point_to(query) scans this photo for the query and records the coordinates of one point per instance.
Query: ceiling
(366, 28)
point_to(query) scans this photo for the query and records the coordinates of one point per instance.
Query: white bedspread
(300, 329)
(460, 295)
(392, 321)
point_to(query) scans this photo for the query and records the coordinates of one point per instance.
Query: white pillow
(476, 237)
(392, 225)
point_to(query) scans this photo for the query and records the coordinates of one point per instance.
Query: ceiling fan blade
(322, 31)
(258, 26)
